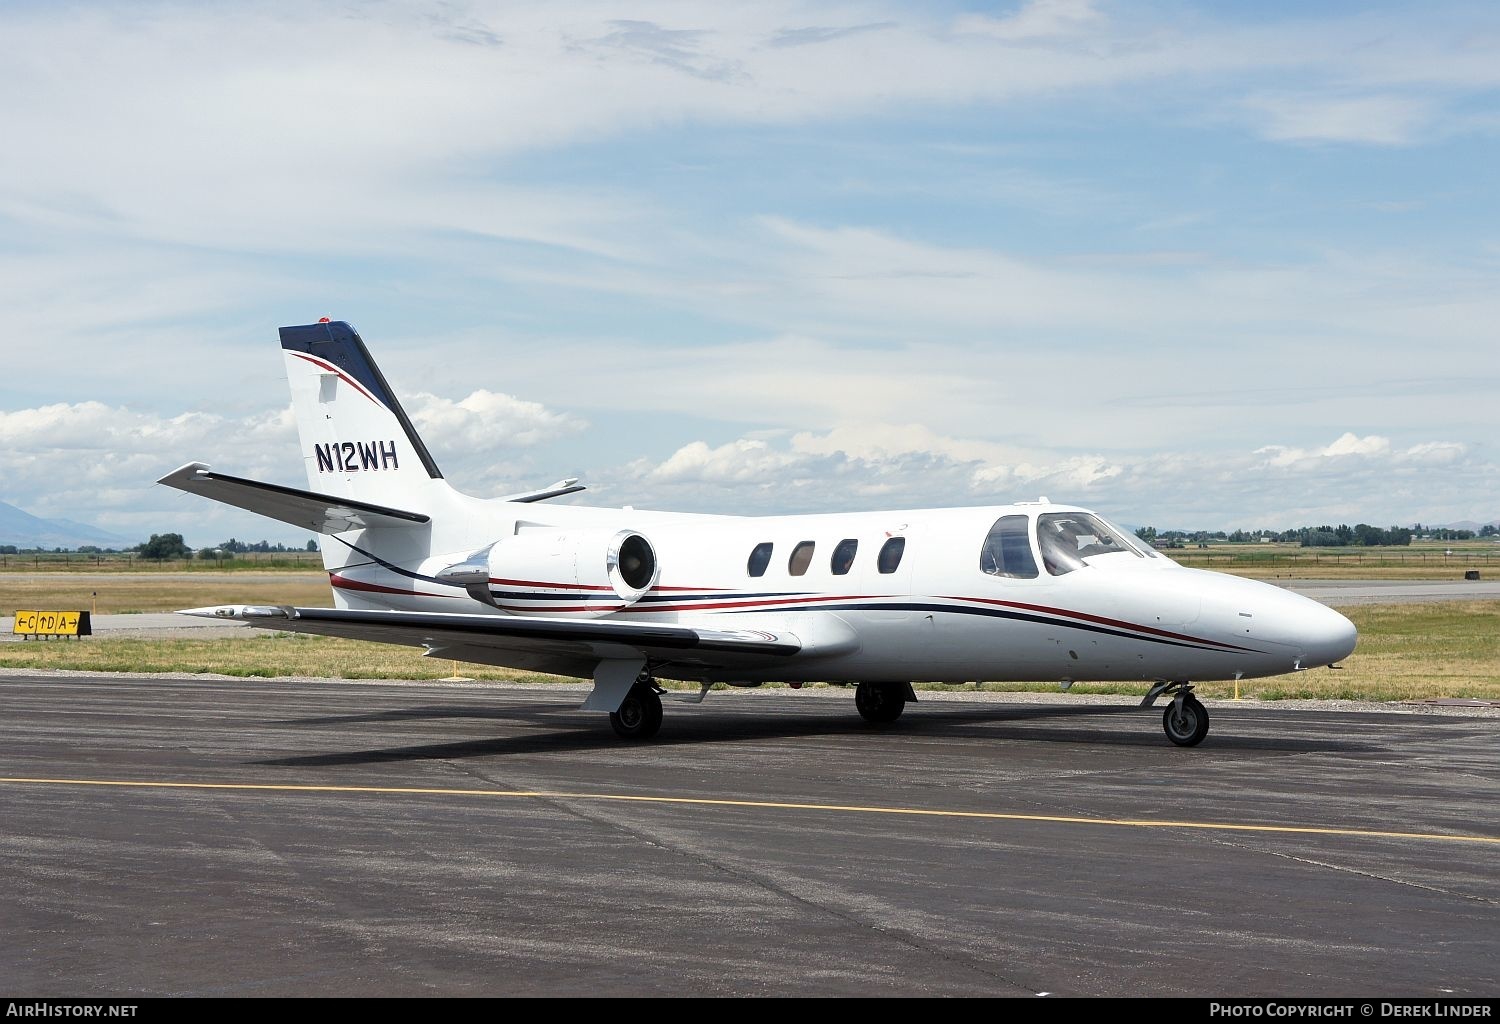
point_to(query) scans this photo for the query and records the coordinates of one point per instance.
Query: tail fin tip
(335, 347)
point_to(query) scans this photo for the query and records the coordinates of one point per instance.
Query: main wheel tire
(1188, 727)
(639, 716)
(880, 703)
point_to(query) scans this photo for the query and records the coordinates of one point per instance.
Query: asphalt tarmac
(1343, 593)
(216, 837)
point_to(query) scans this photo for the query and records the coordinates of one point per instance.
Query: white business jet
(1032, 591)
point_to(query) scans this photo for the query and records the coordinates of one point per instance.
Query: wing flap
(568, 646)
(321, 513)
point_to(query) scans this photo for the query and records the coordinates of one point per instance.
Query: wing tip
(239, 612)
(184, 474)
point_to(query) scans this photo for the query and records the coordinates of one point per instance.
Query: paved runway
(206, 837)
(1343, 593)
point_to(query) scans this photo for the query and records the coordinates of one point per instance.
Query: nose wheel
(1185, 721)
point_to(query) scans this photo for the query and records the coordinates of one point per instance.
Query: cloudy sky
(1195, 265)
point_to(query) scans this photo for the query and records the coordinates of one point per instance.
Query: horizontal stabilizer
(569, 486)
(565, 646)
(321, 513)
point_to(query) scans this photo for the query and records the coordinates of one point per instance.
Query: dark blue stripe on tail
(338, 343)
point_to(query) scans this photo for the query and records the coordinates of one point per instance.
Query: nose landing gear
(1185, 720)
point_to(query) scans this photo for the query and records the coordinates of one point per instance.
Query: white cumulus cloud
(487, 421)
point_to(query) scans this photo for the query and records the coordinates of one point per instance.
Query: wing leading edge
(563, 646)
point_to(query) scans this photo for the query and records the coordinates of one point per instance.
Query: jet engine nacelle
(565, 572)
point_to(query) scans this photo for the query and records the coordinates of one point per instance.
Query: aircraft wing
(321, 513)
(561, 646)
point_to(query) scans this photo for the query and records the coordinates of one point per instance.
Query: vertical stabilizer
(357, 441)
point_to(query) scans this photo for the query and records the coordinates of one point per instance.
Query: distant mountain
(25, 530)
(1467, 524)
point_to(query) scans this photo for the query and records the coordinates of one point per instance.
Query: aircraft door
(901, 641)
(1010, 597)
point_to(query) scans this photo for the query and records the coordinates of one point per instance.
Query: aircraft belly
(1092, 646)
(892, 642)
(980, 650)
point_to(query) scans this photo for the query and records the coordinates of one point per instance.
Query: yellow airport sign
(42, 623)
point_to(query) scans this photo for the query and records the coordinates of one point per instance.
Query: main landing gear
(881, 703)
(639, 716)
(1185, 720)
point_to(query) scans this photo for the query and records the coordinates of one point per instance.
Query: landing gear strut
(880, 703)
(639, 716)
(1186, 719)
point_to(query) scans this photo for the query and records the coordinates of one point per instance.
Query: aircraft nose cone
(1330, 636)
(1308, 633)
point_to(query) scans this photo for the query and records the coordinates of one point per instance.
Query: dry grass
(1426, 560)
(123, 593)
(259, 653)
(1411, 652)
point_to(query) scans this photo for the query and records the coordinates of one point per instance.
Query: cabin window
(843, 556)
(801, 558)
(1007, 549)
(759, 559)
(889, 558)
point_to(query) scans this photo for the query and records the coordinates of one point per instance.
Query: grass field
(1406, 651)
(1338, 567)
(130, 592)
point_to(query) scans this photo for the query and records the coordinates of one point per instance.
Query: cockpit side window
(1059, 547)
(1007, 549)
(1067, 538)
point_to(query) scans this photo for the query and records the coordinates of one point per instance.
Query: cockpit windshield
(1066, 539)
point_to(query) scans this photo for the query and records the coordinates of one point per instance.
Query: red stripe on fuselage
(751, 603)
(345, 583)
(540, 585)
(1100, 619)
(536, 612)
(530, 585)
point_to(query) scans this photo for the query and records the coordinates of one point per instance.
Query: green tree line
(171, 546)
(1359, 535)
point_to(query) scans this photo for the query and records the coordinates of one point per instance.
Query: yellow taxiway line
(527, 794)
